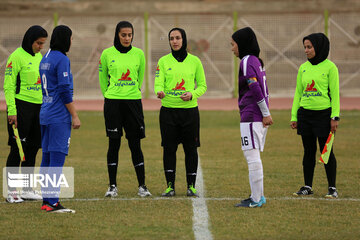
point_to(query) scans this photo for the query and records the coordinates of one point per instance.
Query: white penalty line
(201, 226)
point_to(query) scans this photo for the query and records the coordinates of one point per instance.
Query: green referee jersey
(121, 74)
(175, 78)
(317, 88)
(22, 79)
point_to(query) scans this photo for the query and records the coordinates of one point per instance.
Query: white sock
(256, 175)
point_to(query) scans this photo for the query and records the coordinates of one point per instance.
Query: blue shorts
(56, 137)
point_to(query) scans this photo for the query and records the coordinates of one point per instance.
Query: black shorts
(314, 122)
(28, 124)
(127, 114)
(180, 125)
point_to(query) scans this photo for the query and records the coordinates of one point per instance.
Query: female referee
(316, 109)
(121, 73)
(176, 76)
(254, 110)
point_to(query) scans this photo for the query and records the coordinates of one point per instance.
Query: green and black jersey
(317, 88)
(121, 74)
(22, 80)
(175, 78)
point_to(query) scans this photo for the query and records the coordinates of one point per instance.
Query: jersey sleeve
(141, 72)
(252, 79)
(11, 72)
(103, 74)
(159, 77)
(297, 96)
(334, 91)
(64, 81)
(200, 81)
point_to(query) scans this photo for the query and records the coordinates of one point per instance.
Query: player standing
(22, 89)
(58, 113)
(177, 75)
(254, 110)
(121, 73)
(316, 109)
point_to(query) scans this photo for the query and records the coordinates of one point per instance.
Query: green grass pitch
(225, 178)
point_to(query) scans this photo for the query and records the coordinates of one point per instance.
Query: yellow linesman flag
(18, 142)
(324, 158)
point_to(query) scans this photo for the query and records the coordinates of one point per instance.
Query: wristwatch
(336, 118)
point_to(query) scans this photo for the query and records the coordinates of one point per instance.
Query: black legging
(13, 159)
(191, 164)
(136, 156)
(309, 160)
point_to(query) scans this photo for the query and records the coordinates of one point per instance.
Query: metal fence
(279, 35)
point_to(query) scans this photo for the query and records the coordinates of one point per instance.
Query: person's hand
(334, 125)
(160, 95)
(76, 122)
(267, 121)
(187, 96)
(12, 120)
(293, 125)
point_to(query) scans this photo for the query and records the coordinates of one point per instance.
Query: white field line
(200, 211)
(206, 199)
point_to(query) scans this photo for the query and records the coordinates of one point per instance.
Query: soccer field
(222, 183)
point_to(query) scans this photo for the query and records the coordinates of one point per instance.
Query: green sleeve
(334, 91)
(141, 70)
(159, 77)
(297, 96)
(11, 72)
(200, 81)
(103, 74)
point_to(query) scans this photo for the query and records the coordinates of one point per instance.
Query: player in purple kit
(254, 110)
(57, 114)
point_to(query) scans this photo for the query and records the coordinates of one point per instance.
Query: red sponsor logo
(310, 87)
(38, 81)
(179, 86)
(9, 65)
(125, 76)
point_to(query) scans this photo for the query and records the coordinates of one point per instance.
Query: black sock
(309, 143)
(330, 167)
(137, 159)
(191, 164)
(169, 161)
(112, 159)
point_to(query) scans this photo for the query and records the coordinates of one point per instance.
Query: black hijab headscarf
(32, 34)
(247, 43)
(321, 46)
(117, 43)
(61, 39)
(181, 54)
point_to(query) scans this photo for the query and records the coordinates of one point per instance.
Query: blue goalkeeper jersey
(56, 77)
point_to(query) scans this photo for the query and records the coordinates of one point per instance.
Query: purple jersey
(252, 89)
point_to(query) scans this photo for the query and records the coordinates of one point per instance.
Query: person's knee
(253, 159)
(114, 144)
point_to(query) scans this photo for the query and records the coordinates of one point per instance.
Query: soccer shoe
(58, 208)
(13, 197)
(251, 203)
(30, 195)
(112, 191)
(191, 192)
(169, 192)
(332, 193)
(143, 191)
(305, 190)
(45, 205)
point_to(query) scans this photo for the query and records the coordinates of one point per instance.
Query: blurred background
(279, 25)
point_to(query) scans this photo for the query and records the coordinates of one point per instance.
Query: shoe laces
(192, 189)
(169, 189)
